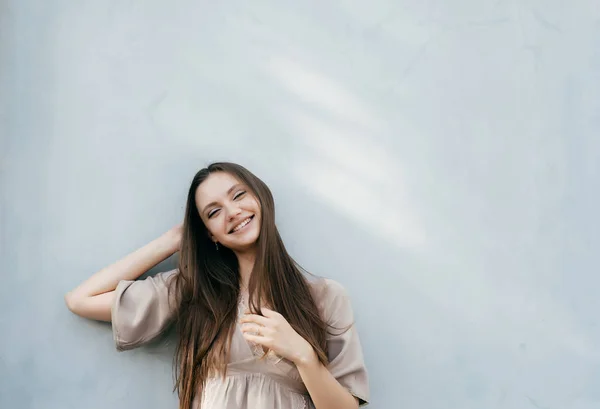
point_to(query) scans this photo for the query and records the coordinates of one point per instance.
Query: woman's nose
(233, 211)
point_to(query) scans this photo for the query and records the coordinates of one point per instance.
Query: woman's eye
(212, 213)
(239, 194)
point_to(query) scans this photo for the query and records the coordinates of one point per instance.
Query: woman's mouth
(241, 225)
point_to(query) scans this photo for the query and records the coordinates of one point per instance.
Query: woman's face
(229, 210)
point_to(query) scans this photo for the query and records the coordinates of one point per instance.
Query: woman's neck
(246, 264)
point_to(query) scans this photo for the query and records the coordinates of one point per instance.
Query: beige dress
(141, 312)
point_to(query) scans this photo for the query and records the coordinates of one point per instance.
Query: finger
(254, 318)
(253, 329)
(258, 339)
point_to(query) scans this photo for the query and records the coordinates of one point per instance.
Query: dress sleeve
(344, 350)
(141, 310)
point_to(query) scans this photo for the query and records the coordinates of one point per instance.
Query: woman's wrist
(171, 239)
(307, 358)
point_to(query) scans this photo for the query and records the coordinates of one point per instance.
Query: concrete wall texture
(439, 158)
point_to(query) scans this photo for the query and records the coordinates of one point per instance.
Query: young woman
(254, 332)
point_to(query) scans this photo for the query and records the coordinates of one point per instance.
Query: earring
(217, 245)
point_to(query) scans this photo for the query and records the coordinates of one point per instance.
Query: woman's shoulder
(331, 297)
(170, 276)
(323, 287)
(167, 275)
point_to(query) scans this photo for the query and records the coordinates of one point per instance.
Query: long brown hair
(207, 290)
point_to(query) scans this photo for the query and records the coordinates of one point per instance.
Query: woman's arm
(274, 332)
(325, 391)
(343, 382)
(94, 297)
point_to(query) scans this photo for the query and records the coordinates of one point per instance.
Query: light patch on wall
(357, 179)
(316, 89)
(335, 157)
(337, 161)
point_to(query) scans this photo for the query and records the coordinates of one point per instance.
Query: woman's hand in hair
(271, 330)
(173, 236)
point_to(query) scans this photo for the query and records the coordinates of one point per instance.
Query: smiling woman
(230, 213)
(254, 331)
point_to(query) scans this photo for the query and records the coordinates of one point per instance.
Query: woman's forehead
(216, 186)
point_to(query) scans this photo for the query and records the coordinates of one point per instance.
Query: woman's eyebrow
(231, 189)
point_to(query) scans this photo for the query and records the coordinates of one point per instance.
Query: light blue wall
(439, 158)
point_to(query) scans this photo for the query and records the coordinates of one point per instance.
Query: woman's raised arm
(94, 297)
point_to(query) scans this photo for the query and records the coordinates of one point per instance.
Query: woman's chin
(245, 244)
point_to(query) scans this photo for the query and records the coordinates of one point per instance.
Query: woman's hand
(274, 332)
(173, 237)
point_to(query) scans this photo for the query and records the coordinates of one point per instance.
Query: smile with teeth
(241, 225)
